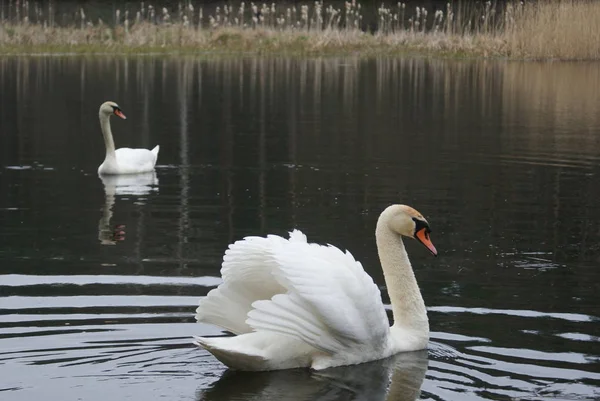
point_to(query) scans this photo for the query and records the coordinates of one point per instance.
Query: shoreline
(84, 51)
(403, 52)
(72, 51)
(264, 43)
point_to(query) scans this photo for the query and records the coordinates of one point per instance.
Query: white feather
(331, 288)
(247, 277)
(133, 161)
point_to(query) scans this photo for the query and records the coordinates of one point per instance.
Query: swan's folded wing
(247, 272)
(331, 303)
(137, 159)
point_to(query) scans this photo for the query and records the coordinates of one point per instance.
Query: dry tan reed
(545, 29)
(567, 30)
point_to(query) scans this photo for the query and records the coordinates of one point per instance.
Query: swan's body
(123, 160)
(296, 304)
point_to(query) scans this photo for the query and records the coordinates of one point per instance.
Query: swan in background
(296, 304)
(397, 378)
(131, 184)
(123, 160)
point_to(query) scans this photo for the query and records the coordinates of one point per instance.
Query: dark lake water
(99, 279)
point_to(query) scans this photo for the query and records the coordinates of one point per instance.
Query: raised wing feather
(315, 293)
(329, 300)
(247, 271)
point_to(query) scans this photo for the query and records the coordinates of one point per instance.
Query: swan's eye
(118, 112)
(421, 224)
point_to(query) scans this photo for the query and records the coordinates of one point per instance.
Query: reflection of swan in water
(398, 378)
(131, 184)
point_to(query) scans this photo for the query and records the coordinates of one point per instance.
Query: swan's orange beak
(119, 113)
(423, 237)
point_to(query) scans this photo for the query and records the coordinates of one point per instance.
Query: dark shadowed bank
(551, 29)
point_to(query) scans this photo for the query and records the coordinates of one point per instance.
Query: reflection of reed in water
(328, 113)
(565, 94)
(398, 378)
(266, 122)
(445, 91)
(135, 185)
(183, 88)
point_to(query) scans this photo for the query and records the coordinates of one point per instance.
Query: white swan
(296, 304)
(123, 160)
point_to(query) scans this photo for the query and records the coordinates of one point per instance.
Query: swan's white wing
(247, 272)
(136, 160)
(329, 302)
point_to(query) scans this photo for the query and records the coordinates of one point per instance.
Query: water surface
(99, 278)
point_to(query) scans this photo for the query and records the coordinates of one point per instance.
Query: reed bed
(546, 29)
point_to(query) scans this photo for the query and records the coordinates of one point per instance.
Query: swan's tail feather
(227, 306)
(155, 150)
(234, 359)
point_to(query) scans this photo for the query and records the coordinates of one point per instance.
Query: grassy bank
(568, 30)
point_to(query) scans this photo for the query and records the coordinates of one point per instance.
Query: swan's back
(131, 161)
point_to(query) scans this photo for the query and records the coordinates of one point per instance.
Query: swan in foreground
(296, 304)
(123, 160)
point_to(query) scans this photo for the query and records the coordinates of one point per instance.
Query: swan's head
(406, 221)
(109, 108)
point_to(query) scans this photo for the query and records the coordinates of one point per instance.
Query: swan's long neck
(407, 303)
(107, 133)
